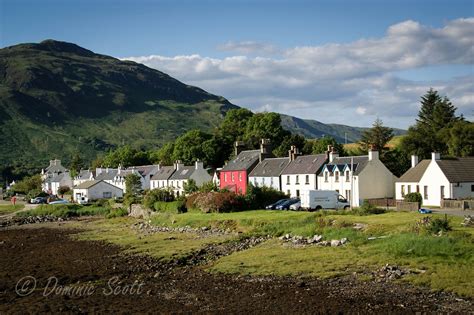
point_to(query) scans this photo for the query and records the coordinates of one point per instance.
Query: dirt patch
(47, 254)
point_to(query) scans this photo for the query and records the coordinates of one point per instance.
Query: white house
(160, 178)
(83, 176)
(438, 179)
(183, 174)
(267, 172)
(146, 172)
(96, 189)
(357, 177)
(54, 176)
(301, 172)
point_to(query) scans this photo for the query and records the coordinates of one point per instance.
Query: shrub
(259, 197)
(437, 225)
(414, 197)
(190, 187)
(152, 196)
(117, 212)
(63, 189)
(208, 187)
(219, 202)
(367, 209)
(178, 206)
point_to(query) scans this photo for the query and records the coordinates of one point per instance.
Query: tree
(376, 137)
(189, 147)
(28, 184)
(190, 187)
(460, 139)
(264, 126)
(396, 161)
(293, 139)
(321, 145)
(62, 190)
(133, 185)
(76, 164)
(125, 156)
(235, 123)
(435, 118)
(164, 155)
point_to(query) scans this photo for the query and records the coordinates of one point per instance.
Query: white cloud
(249, 47)
(330, 82)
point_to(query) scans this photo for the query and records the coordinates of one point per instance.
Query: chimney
(414, 160)
(238, 145)
(332, 154)
(107, 169)
(373, 154)
(98, 170)
(178, 165)
(265, 149)
(435, 156)
(293, 153)
(199, 165)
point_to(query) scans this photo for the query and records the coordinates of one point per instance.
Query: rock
(317, 238)
(343, 241)
(335, 243)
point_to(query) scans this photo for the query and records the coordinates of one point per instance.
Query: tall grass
(73, 210)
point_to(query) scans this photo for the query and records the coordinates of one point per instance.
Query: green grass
(159, 245)
(72, 210)
(6, 209)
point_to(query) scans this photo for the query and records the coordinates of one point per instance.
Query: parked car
(59, 202)
(296, 206)
(286, 205)
(425, 211)
(38, 200)
(274, 205)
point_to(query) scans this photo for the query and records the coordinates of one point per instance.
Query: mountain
(57, 98)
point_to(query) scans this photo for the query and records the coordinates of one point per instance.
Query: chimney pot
(414, 160)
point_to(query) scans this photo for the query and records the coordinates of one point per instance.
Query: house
(357, 177)
(267, 173)
(160, 179)
(146, 172)
(183, 174)
(51, 183)
(83, 176)
(436, 179)
(96, 189)
(216, 177)
(55, 167)
(301, 172)
(234, 175)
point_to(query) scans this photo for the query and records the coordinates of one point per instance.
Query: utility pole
(352, 181)
(345, 137)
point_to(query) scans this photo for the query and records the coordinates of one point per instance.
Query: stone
(335, 243)
(343, 240)
(317, 238)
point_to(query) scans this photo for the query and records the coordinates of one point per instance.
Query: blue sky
(200, 42)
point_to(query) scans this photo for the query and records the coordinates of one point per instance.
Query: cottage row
(357, 178)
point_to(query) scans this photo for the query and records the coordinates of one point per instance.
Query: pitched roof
(107, 174)
(360, 162)
(90, 183)
(55, 167)
(415, 174)
(85, 174)
(458, 170)
(144, 170)
(305, 164)
(55, 178)
(270, 167)
(164, 173)
(244, 161)
(183, 173)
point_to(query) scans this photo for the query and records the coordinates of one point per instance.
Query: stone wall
(138, 211)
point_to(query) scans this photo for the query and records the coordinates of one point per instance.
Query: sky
(346, 62)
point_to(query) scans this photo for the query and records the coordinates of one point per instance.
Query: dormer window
(336, 176)
(347, 176)
(326, 176)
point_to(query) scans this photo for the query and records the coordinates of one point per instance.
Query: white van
(323, 199)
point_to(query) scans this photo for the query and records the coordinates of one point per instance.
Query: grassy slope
(6, 209)
(395, 142)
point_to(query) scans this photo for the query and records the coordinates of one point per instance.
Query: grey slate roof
(270, 167)
(305, 164)
(244, 161)
(415, 174)
(183, 173)
(107, 175)
(91, 183)
(55, 169)
(85, 174)
(164, 173)
(360, 162)
(458, 170)
(144, 170)
(55, 178)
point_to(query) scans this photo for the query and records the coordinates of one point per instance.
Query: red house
(234, 175)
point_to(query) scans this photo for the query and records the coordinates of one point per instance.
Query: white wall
(342, 185)
(408, 188)
(260, 181)
(376, 181)
(463, 190)
(292, 187)
(97, 191)
(434, 178)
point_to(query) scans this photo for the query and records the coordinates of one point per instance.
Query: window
(297, 193)
(442, 192)
(418, 188)
(271, 181)
(240, 176)
(232, 177)
(287, 180)
(288, 192)
(107, 194)
(297, 180)
(425, 192)
(403, 190)
(409, 188)
(307, 180)
(225, 177)
(472, 188)
(326, 176)
(336, 176)
(348, 194)
(255, 181)
(263, 181)
(347, 176)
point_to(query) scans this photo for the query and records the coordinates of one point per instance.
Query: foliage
(154, 195)
(76, 164)
(319, 146)
(224, 201)
(437, 225)
(288, 141)
(264, 126)
(178, 206)
(235, 122)
(190, 186)
(208, 187)
(414, 197)
(63, 189)
(435, 119)
(259, 197)
(133, 185)
(164, 155)
(28, 184)
(376, 137)
(125, 156)
(117, 212)
(367, 209)
(396, 161)
(460, 138)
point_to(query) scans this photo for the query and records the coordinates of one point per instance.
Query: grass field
(395, 142)
(6, 209)
(441, 262)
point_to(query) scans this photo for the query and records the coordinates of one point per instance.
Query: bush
(178, 206)
(208, 187)
(63, 189)
(437, 225)
(219, 202)
(152, 196)
(259, 197)
(414, 197)
(367, 209)
(117, 212)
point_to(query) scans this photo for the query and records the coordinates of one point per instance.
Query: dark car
(38, 200)
(274, 205)
(286, 205)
